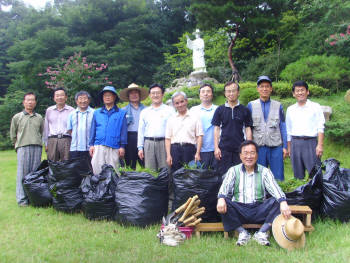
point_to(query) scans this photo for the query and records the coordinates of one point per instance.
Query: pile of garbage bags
(328, 193)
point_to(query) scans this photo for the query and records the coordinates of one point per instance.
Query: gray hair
(82, 93)
(178, 93)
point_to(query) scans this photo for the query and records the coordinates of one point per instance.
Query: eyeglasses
(249, 153)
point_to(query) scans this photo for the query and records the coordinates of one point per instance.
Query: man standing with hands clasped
(242, 197)
(183, 135)
(305, 131)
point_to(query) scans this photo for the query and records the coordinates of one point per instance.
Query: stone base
(347, 96)
(327, 112)
(196, 78)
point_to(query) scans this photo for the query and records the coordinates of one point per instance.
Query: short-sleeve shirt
(232, 121)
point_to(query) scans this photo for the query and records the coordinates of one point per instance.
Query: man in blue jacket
(108, 135)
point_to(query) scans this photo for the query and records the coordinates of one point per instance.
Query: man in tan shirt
(183, 135)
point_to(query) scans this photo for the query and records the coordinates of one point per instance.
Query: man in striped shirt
(242, 197)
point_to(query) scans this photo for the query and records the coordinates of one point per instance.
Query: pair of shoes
(262, 238)
(243, 238)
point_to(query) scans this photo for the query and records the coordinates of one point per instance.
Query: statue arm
(189, 43)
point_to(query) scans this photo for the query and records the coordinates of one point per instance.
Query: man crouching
(242, 197)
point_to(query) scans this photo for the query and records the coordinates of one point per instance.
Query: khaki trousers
(104, 155)
(58, 149)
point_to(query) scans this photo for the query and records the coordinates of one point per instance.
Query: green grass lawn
(45, 235)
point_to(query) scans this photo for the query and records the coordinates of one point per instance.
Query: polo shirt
(26, 129)
(79, 122)
(184, 129)
(232, 121)
(206, 116)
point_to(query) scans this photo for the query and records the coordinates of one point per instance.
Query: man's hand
(285, 210)
(169, 160)
(319, 150)
(285, 153)
(197, 157)
(221, 206)
(217, 153)
(141, 155)
(121, 152)
(92, 150)
(46, 148)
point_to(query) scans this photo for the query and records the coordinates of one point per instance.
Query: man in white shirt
(183, 135)
(151, 131)
(205, 111)
(305, 131)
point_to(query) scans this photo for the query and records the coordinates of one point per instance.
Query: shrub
(283, 89)
(248, 94)
(330, 72)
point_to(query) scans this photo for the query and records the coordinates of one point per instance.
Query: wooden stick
(190, 219)
(198, 213)
(195, 222)
(184, 206)
(195, 206)
(198, 210)
(194, 198)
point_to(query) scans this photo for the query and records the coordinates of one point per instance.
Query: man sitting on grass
(242, 197)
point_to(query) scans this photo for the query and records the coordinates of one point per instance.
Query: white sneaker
(243, 238)
(262, 238)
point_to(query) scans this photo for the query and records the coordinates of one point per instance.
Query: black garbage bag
(309, 194)
(64, 183)
(336, 191)
(141, 198)
(201, 182)
(99, 193)
(36, 186)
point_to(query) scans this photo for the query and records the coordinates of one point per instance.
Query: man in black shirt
(233, 119)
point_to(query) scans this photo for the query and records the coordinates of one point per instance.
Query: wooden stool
(305, 211)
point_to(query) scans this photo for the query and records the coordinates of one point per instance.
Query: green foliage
(283, 89)
(138, 169)
(248, 94)
(291, 184)
(330, 72)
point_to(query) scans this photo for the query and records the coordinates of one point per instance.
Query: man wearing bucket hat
(269, 128)
(108, 134)
(134, 95)
(242, 197)
(288, 233)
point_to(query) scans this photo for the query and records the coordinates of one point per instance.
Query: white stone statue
(197, 46)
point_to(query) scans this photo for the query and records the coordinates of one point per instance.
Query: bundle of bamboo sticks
(188, 213)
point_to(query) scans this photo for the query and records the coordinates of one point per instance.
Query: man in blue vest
(108, 134)
(269, 128)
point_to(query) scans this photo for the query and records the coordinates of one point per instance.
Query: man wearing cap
(151, 131)
(108, 134)
(229, 121)
(269, 128)
(183, 135)
(26, 135)
(79, 125)
(56, 137)
(305, 131)
(242, 197)
(205, 111)
(134, 94)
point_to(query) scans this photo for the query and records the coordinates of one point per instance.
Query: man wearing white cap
(134, 95)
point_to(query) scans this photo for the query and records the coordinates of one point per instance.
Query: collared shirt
(250, 188)
(153, 122)
(232, 121)
(206, 116)
(184, 129)
(26, 129)
(109, 128)
(133, 116)
(306, 120)
(56, 121)
(265, 106)
(79, 122)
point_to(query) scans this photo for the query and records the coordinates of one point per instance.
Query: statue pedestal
(196, 78)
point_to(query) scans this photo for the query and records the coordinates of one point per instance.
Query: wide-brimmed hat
(124, 92)
(288, 233)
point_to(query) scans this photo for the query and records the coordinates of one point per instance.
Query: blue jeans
(272, 157)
